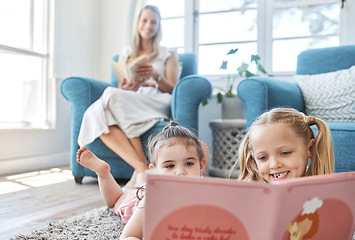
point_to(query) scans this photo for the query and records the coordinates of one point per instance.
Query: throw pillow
(329, 96)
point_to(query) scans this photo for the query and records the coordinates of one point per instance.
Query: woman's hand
(169, 79)
(130, 85)
(144, 71)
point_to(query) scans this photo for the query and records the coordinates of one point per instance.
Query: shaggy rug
(99, 223)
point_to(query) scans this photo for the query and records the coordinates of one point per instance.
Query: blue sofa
(81, 92)
(260, 94)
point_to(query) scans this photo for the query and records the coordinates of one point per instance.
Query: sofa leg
(78, 180)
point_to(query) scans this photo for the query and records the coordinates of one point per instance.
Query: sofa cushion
(329, 96)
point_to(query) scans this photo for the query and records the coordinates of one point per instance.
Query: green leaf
(248, 74)
(261, 68)
(224, 65)
(243, 68)
(230, 87)
(232, 51)
(204, 103)
(219, 97)
(254, 58)
(230, 95)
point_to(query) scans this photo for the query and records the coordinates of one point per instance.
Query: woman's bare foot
(89, 160)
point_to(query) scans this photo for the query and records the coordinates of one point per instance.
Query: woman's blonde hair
(322, 159)
(137, 39)
(173, 133)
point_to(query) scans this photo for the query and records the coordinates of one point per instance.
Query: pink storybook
(317, 207)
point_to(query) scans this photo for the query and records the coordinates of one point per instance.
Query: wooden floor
(30, 201)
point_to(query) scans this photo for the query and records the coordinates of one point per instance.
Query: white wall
(114, 23)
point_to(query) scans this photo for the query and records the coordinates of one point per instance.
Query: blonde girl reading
(174, 151)
(281, 145)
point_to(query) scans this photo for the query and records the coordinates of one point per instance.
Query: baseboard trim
(21, 165)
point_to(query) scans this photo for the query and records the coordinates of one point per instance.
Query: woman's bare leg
(137, 145)
(130, 150)
(118, 142)
(110, 190)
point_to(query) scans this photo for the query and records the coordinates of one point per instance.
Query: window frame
(264, 39)
(48, 93)
(266, 51)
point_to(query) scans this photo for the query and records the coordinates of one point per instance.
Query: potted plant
(227, 94)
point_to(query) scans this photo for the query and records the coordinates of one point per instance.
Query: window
(300, 25)
(25, 60)
(173, 22)
(276, 30)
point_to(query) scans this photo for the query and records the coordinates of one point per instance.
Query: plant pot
(233, 108)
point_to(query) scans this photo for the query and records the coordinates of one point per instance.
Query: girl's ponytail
(322, 160)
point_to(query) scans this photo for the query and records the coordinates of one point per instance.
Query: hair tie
(311, 121)
(170, 125)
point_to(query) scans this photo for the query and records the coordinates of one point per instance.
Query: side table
(227, 135)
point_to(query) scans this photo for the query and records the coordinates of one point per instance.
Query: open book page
(127, 71)
(121, 71)
(317, 207)
(215, 208)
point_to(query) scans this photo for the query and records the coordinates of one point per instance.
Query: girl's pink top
(127, 203)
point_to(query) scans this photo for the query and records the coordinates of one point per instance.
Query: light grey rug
(99, 223)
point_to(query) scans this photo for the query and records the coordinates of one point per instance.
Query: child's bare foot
(205, 150)
(89, 160)
(207, 155)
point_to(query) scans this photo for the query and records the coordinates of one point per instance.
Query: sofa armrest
(81, 92)
(187, 96)
(260, 94)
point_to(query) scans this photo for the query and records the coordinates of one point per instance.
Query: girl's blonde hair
(173, 133)
(322, 160)
(137, 39)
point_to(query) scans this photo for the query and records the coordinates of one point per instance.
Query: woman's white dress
(134, 112)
